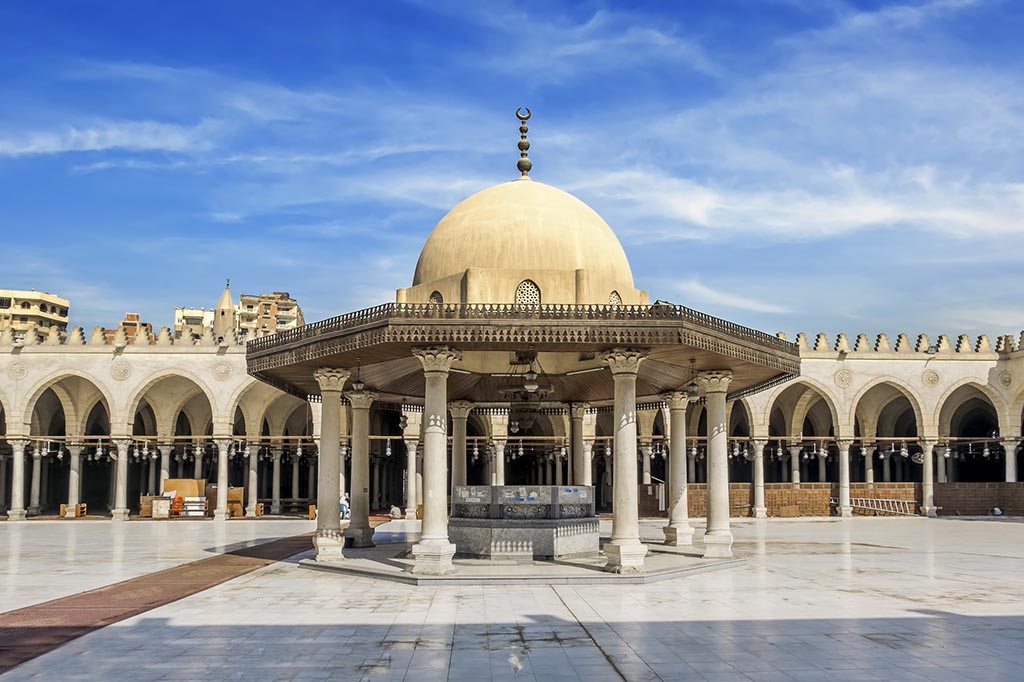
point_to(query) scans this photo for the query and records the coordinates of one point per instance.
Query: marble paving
(818, 599)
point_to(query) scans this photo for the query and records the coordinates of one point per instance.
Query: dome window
(528, 293)
(614, 298)
(436, 298)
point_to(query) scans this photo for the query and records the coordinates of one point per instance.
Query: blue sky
(792, 165)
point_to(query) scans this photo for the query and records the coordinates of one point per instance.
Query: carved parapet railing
(541, 313)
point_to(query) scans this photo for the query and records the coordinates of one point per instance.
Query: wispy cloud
(111, 135)
(701, 294)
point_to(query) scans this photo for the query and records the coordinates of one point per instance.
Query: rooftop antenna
(524, 165)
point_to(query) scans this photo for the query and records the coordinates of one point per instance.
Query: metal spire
(524, 165)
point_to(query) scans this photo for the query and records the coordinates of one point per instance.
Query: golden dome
(522, 230)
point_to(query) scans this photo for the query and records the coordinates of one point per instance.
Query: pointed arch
(61, 377)
(947, 406)
(923, 425)
(795, 399)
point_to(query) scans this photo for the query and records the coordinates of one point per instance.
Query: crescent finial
(524, 164)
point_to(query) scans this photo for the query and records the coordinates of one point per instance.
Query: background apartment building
(21, 310)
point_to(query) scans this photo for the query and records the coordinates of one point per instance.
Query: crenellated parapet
(99, 336)
(944, 346)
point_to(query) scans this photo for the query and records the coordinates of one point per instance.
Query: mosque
(522, 353)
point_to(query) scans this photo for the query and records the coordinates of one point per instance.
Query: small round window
(436, 298)
(527, 293)
(614, 298)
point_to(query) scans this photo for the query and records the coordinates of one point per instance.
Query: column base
(760, 512)
(359, 537)
(221, 515)
(846, 512)
(928, 511)
(16, 515)
(718, 544)
(33, 511)
(250, 512)
(275, 509)
(433, 557)
(681, 534)
(625, 558)
(119, 515)
(330, 545)
(410, 513)
(69, 513)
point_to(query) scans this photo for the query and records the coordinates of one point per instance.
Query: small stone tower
(224, 315)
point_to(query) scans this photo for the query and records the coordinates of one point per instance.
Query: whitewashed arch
(942, 416)
(24, 416)
(923, 426)
(810, 385)
(151, 381)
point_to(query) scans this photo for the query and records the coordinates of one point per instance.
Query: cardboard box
(185, 487)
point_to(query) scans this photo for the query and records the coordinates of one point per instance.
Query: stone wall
(782, 499)
(971, 499)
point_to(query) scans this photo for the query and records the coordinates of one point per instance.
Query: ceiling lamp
(692, 390)
(358, 385)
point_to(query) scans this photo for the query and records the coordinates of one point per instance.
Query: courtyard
(816, 599)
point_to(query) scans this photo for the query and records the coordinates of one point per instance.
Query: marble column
(625, 552)
(17, 510)
(844, 477)
(823, 464)
(760, 510)
(221, 512)
(359, 533)
(928, 478)
(499, 462)
(678, 531)
(120, 511)
(411, 446)
(718, 536)
(867, 451)
(886, 467)
(151, 470)
(181, 463)
(559, 466)
(951, 469)
(198, 451)
(645, 461)
(794, 465)
(329, 541)
(691, 469)
(312, 467)
(343, 479)
(580, 459)
(940, 464)
(33, 499)
(460, 410)
(1011, 460)
(376, 492)
(253, 455)
(164, 452)
(433, 553)
(3, 482)
(275, 484)
(295, 474)
(587, 469)
(74, 479)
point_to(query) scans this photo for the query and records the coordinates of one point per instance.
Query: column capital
(866, 448)
(123, 444)
(760, 443)
(715, 380)
(437, 358)
(578, 410)
(18, 443)
(677, 400)
(844, 443)
(361, 400)
(624, 360)
(460, 409)
(331, 378)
